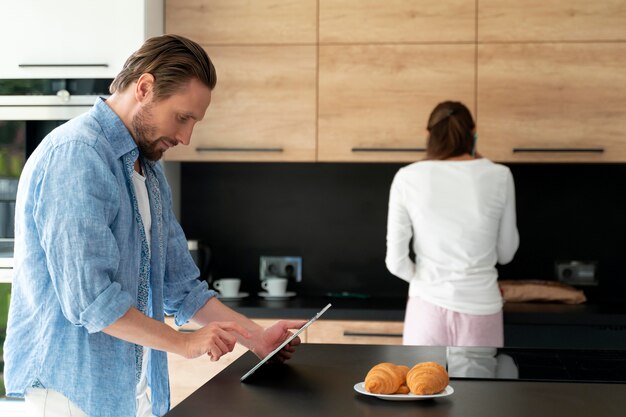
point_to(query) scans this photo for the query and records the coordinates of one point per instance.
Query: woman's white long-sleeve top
(461, 216)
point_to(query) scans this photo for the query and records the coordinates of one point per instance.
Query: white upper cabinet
(73, 38)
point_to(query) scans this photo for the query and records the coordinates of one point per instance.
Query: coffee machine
(201, 255)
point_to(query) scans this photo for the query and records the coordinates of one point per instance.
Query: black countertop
(319, 381)
(392, 309)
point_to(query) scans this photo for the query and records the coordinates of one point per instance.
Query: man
(99, 256)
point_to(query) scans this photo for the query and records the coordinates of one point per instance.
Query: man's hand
(274, 335)
(215, 339)
(260, 341)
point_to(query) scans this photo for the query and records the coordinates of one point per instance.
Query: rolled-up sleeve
(75, 203)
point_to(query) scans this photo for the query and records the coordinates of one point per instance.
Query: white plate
(284, 296)
(360, 388)
(236, 297)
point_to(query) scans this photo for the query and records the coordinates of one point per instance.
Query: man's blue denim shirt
(77, 266)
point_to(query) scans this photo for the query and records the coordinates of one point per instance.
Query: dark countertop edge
(393, 310)
(331, 314)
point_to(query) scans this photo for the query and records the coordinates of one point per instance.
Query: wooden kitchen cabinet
(262, 109)
(187, 375)
(374, 100)
(355, 80)
(243, 22)
(396, 21)
(552, 102)
(551, 20)
(356, 332)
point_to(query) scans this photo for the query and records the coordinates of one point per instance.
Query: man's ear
(144, 88)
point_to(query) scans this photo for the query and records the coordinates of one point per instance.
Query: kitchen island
(320, 379)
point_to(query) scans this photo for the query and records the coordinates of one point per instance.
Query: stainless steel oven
(29, 110)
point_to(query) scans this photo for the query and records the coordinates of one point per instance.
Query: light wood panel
(551, 20)
(374, 21)
(552, 96)
(219, 22)
(380, 96)
(265, 98)
(187, 375)
(356, 332)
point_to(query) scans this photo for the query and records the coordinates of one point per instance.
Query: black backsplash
(334, 216)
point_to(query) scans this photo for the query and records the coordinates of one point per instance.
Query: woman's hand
(276, 334)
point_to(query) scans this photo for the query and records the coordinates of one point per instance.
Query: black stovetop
(538, 364)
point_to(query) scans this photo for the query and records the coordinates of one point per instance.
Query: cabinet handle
(218, 149)
(559, 150)
(359, 334)
(62, 65)
(388, 149)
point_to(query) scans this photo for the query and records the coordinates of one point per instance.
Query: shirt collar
(114, 129)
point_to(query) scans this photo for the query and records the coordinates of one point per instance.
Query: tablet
(282, 345)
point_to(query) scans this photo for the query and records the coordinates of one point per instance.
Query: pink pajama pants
(426, 324)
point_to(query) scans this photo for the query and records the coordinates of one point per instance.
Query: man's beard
(144, 130)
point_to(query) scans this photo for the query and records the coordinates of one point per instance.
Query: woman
(459, 209)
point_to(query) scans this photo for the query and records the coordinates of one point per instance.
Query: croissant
(385, 378)
(427, 378)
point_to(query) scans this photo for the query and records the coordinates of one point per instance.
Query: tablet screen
(282, 345)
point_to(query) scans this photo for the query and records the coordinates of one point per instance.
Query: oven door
(29, 110)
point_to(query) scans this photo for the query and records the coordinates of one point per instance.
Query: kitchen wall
(334, 216)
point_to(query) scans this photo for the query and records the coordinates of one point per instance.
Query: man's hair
(450, 131)
(172, 60)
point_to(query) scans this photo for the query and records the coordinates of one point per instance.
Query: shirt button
(133, 153)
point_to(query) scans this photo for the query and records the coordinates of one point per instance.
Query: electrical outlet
(281, 266)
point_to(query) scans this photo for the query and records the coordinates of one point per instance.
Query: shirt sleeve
(508, 236)
(184, 293)
(75, 202)
(399, 233)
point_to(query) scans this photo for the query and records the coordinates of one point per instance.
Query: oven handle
(61, 98)
(62, 106)
(57, 112)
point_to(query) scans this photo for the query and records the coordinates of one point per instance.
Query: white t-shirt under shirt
(461, 215)
(144, 407)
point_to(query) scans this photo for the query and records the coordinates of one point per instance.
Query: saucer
(360, 388)
(235, 297)
(284, 296)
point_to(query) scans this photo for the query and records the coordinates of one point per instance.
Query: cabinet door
(374, 100)
(243, 22)
(551, 20)
(394, 21)
(552, 102)
(356, 332)
(73, 38)
(262, 109)
(187, 375)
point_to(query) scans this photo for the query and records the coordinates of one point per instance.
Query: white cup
(275, 286)
(228, 287)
